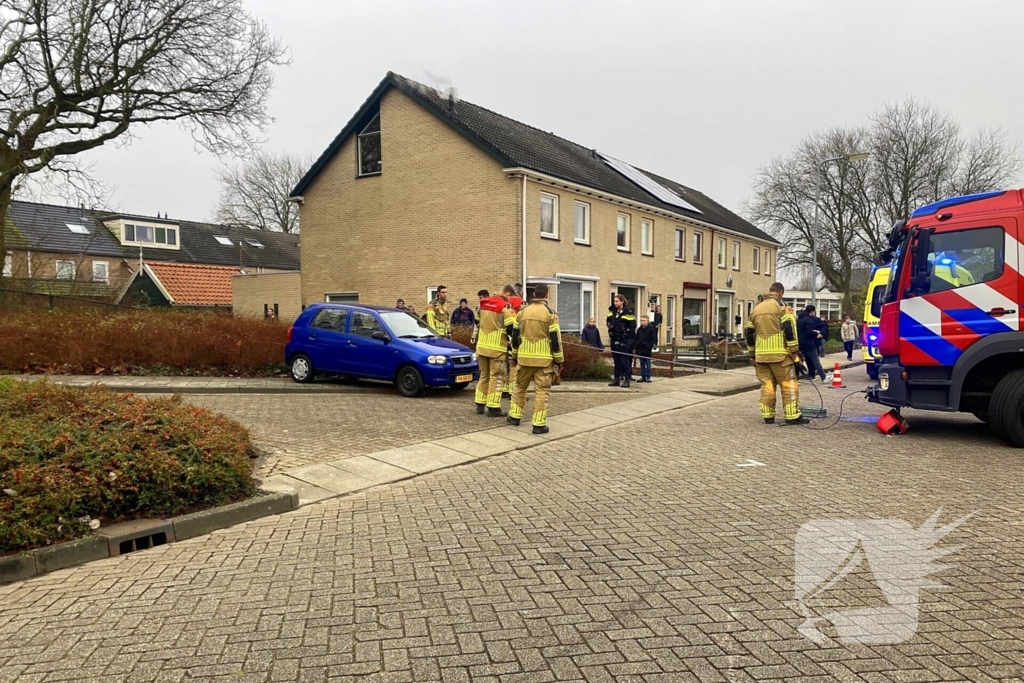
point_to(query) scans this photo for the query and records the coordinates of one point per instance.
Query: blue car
(369, 342)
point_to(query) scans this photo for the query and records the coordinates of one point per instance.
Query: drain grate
(129, 537)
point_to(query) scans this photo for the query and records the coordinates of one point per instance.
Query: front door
(371, 357)
(972, 292)
(632, 295)
(724, 314)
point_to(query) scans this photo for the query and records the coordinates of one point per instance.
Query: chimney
(453, 97)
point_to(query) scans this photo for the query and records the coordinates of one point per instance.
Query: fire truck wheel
(1006, 409)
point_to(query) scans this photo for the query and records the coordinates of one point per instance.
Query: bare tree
(76, 74)
(918, 155)
(255, 193)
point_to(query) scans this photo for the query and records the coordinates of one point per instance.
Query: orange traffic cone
(837, 379)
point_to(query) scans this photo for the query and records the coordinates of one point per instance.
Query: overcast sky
(703, 92)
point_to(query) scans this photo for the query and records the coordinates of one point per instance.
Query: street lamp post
(820, 171)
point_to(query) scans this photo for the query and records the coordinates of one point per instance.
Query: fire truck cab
(950, 328)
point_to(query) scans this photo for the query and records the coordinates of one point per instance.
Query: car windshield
(406, 326)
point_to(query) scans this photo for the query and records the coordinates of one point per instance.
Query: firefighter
(437, 313)
(514, 294)
(537, 350)
(774, 351)
(494, 329)
(621, 330)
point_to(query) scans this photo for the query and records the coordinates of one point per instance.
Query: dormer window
(135, 233)
(368, 143)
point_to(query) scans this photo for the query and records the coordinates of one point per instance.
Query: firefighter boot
(514, 421)
(541, 430)
(480, 408)
(495, 412)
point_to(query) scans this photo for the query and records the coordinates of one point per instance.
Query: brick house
(94, 254)
(420, 188)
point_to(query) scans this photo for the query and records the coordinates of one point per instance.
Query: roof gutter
(568, 184)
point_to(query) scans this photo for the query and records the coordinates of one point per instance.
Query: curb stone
(27, 565)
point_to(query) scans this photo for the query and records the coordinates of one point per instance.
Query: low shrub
(582, 363)
(70, 456)
(140, 342)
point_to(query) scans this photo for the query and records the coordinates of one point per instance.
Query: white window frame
(586, 286)
(757, 259)
(618, 219)
(168, 230)
(768, 262)
(736, 256)
(670, 319)
(722, 243)
(586, 222)
(63, 262)
(106, 272)
(679, 248)
(77, 228)
(8, 265)
(698, 247)
(337, 297)
(553, 198)
(431, 294)
(647, 229)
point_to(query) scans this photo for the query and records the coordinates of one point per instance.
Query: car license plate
(464, 378)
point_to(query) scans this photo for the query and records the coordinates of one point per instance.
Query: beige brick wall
(660, 272)
(251, 293)
(441, 212)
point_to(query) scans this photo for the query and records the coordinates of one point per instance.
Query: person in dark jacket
(621, 330)
(463, 315)
(822, 327)
(643, 346)
(591, 335)
(807, 334)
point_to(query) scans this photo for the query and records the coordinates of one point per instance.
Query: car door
(368, 357)
(326, 339)
(972, 292)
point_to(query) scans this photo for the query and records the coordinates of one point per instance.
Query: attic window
(253, 243)
(369, 148)
(224, 240)
(77, 228)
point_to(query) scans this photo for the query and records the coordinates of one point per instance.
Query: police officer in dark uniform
(621, 331)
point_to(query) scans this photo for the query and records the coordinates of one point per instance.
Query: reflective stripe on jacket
(492, 335)
(437, 318)
(771, 328)
(539, 336)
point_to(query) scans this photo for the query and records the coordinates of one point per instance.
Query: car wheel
(302, 369)
(872, 370)
(1006, 409)
(459, 386)
(409, 381)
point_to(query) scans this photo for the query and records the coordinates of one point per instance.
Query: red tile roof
(194, 285)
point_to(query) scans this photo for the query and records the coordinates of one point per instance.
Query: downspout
(524, 235)
(711, 281)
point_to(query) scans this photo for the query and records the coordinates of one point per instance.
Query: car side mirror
(381, 336)
(920, 279)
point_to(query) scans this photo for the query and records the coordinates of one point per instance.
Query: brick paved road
(638, 553)
(297, 430)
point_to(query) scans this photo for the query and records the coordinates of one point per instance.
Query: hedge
(581, 362)
(69, 456)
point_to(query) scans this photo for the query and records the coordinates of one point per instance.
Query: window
(680, 244)
(253, 243)
(77, 228)
(735, 255)
(150, 234)
(647, 237)
(721, 252)
(431, 294)
(101, 272)
(342, 297)
(144, 233)
(369, 148)
(622, 232)
(750, 308)
(575, 304)
(8, 265)
(581, 220)
(129, 232)
(364, 324)
(670, 319)
(965, 257)
(698, 247)
(172, 236)
(330, 319)
(693, 316)
(768, 262)
(65, 270)
(757, 259)
(224, 240)
(548, 215)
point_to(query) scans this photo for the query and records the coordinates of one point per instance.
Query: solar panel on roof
(77, 229)
(656, 190)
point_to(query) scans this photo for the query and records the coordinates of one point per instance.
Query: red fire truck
(950, 330)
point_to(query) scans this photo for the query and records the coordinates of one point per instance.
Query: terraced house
(418, 181)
